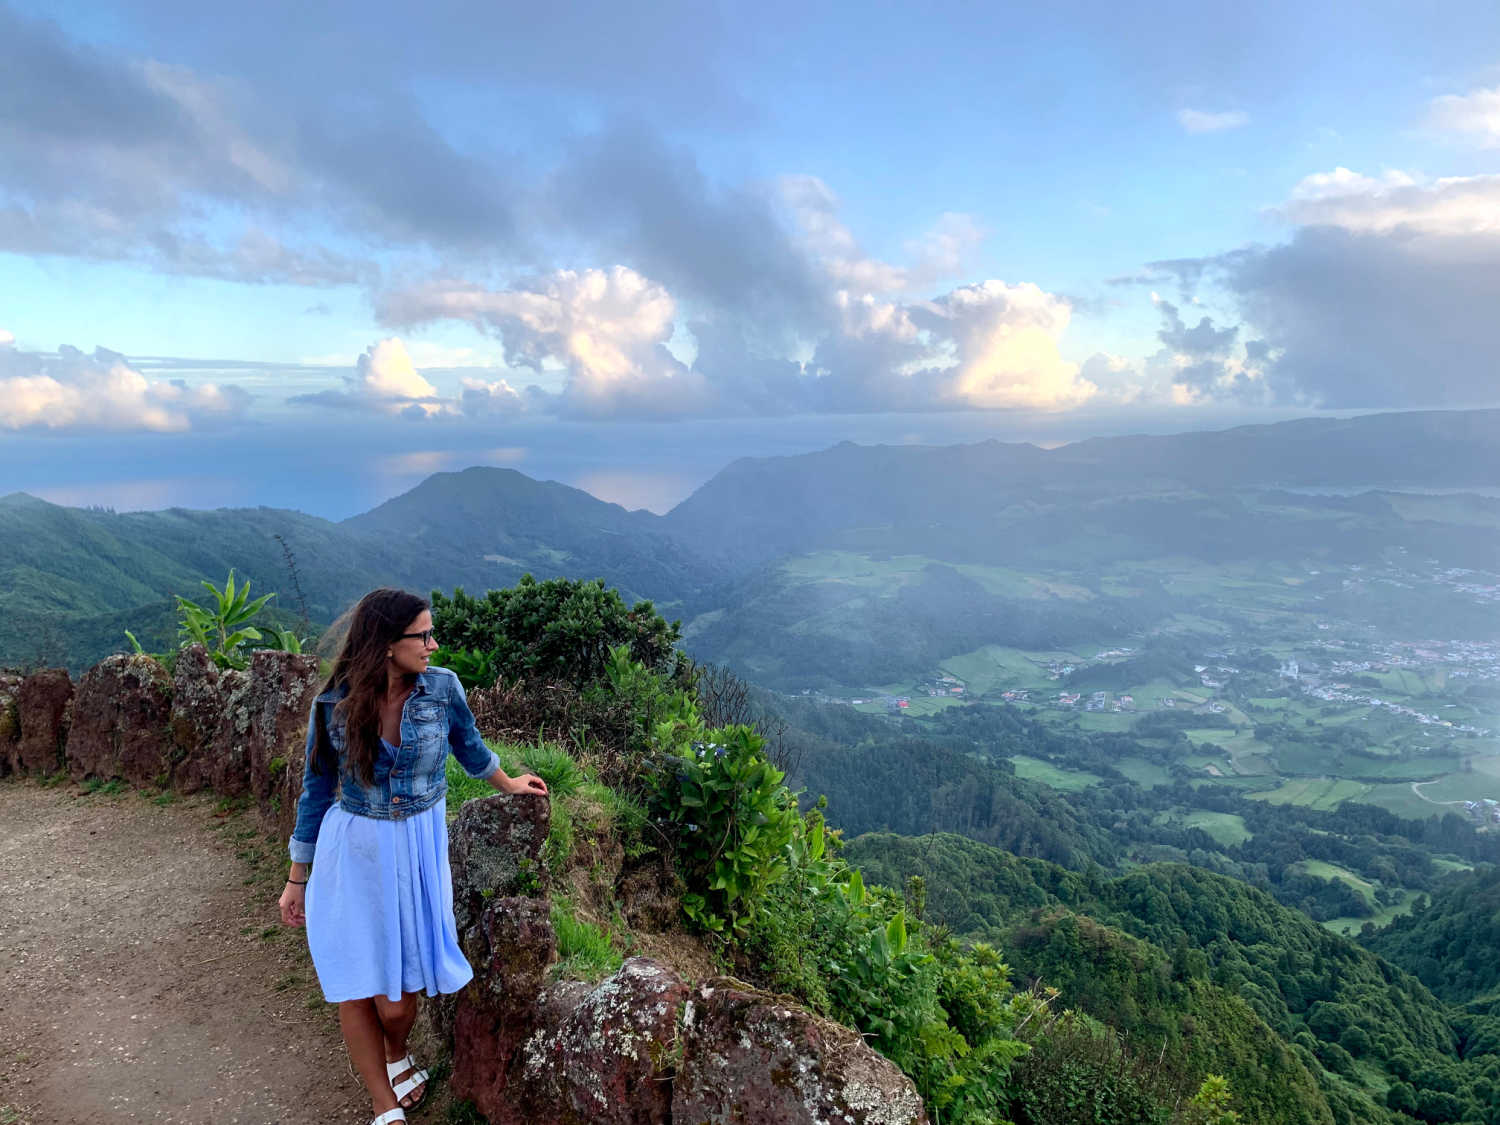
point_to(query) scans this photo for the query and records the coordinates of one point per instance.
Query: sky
(305, 255)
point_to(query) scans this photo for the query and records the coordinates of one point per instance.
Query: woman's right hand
(293, 904)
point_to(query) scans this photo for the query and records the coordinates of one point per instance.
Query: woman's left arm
(477, 759)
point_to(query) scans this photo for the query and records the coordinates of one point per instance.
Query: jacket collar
(423, 686)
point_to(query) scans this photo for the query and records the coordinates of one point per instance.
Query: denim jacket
(434, 720)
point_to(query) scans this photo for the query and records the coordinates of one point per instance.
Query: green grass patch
(1315, 792)
(1454, 788)
(1144, 773)
(1321, 869)
(1227, 829)
(585, 951)
(1383, 916)
(1034, 769)
(1399, 799)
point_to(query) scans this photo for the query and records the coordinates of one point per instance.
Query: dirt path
(1416, 787)
(145, 976)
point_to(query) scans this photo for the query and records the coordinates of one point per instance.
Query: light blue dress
(380, 906)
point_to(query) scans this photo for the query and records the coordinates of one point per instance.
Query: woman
(378, 905)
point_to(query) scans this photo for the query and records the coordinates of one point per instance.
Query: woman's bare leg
(364, 1036)
(397, 1017)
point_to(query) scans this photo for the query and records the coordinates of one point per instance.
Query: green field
(993, 669)
(1454, 788)
(1314, 792)
(1144, 773)
(1227, 828)
(1400, 799)
(1034, 769)
(1247, 755)
(1383, 916)
(1322, 870)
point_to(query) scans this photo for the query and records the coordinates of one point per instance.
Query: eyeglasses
(425, 636)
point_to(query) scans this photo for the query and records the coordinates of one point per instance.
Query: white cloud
(987, 346)
(1197, 121)
(387, 372)
(384, 380)
(1476, 115)
(1397, 201)
(7, 339)
(1005, 338)
(71, 390)
(608, 329)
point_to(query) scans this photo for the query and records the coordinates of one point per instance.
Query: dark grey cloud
(643, 201)
(1202, 339)
(1368, 319)
(126, 158)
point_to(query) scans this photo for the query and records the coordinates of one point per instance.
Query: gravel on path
(146, 975)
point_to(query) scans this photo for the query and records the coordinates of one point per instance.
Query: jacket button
(395, 800)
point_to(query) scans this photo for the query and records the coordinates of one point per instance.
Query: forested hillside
(1176, 955)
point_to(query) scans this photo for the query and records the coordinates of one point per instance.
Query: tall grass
(584, 950)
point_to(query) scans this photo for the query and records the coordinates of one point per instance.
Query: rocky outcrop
(243, 733)
(610, 1060)
(197, 710)
(750, 1057)
(641, 1047)
(120, 722)
(225, 766)
(43, 709)
(10, 720)
(494, 1015)
(495, 850)
(277, 698)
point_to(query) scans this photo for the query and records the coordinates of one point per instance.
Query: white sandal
(407, 1085)
(397, 1114)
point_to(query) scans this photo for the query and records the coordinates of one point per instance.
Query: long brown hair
(375, 623)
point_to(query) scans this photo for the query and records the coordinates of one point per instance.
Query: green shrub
(728, 815)
(1080, 1073)
(557, 631)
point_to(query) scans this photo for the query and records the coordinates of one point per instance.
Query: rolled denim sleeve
(317, 796)
(477, 759)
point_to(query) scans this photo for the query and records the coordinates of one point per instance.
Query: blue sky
(303, 255)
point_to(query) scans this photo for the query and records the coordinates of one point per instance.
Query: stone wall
(237, 733)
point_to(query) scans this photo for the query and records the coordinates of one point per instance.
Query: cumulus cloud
(384, 380)
(1198, 121)
(72, 390)
(1475, 115)
(1005, 341)
(607, 328)
(1397, 201)
(988, 346)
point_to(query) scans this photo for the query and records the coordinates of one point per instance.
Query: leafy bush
(557, 631)
(728, 815)
(1081, 1073)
